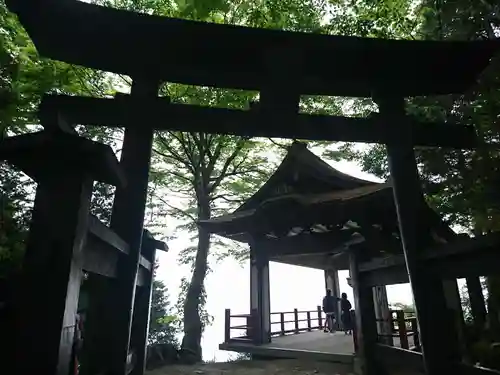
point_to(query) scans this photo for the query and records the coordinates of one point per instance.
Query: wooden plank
(107, 235)
(382, 263)
(398, 358)
(387, 276)
(158, 245)
(143, 262)
(307, 244)
(466, 369)
(331, 64)
(465, 246)
(36, 153)
(55, 245)
(127, 221)
(191, 118)
(99, 315)
(465, 258)
(103, 249)
(99, 258)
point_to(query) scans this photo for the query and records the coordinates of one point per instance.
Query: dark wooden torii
(281, 66)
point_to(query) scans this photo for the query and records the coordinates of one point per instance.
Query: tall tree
(210, 173)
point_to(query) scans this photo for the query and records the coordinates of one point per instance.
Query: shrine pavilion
(310, 214)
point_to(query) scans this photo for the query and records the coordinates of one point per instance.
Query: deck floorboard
(336, 347)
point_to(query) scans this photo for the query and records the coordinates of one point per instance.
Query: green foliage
(465, 301)
(197, 176)
(24, 77)
(163, 324)
(205, 318)
(459, 184)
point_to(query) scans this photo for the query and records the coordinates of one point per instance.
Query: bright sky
(228, 285)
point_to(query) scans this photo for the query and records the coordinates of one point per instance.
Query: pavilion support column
(366, 325)
(260, 297)
(477, 304)
(47, 299)
(383, 314)
(332, 283)
(127, 220)
(430, 303)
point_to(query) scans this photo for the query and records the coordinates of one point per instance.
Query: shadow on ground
(246, 367)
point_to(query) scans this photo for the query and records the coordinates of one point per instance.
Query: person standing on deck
(329, 302)
(345, 308)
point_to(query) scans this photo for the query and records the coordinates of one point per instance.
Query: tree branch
(178, 210)
(229, 200)
(280, 145)
(229, 160)
(240, 172)
(175, 154)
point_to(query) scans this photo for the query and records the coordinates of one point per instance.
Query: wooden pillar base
(365, 324)
(48, 295)
(142, 309)
(98, 318)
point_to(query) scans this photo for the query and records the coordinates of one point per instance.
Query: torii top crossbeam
(238, 57)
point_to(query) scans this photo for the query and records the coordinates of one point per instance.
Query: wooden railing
(246, 327)
(403, 326)
(313, 320)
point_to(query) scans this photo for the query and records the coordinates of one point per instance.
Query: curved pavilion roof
(308, 213)
(209, 54)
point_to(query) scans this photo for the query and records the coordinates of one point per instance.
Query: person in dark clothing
(329, 302)
(346, 317)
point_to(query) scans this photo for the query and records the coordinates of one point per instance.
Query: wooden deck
(315, 345)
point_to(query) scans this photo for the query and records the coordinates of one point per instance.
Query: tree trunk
(193, 327)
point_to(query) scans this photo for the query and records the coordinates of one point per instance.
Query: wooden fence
(403, 326)
(313, 320)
